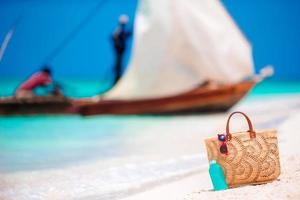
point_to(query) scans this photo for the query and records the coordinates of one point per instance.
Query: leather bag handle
(251, 130)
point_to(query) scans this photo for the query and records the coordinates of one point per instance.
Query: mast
(49, 58)
(8, 37)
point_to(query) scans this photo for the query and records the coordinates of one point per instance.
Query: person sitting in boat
(119, 37)
(38, 79)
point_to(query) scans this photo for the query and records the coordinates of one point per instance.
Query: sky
(271, 26)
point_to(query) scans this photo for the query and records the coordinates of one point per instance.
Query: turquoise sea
(120, 152)
(47, 141)
(85, 88)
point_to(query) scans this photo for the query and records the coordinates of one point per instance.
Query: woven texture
(249, 160)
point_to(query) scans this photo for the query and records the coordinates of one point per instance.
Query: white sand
(162, 160)
(287, 121)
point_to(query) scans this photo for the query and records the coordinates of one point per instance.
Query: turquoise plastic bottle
(217, 176)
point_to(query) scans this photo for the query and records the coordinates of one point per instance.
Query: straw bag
(250, 157)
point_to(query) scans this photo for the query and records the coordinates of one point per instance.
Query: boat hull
(37, 105)
(197, 101)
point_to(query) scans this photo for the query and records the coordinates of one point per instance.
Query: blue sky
(272, 27)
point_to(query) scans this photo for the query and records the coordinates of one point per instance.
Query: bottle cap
(213, 162)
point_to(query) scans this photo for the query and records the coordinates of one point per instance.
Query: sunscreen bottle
(217, 176)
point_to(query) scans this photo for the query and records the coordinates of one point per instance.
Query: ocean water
(86, 88)
(110, 157)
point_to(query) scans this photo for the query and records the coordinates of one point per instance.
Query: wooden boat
(170, 57)
(196, 101)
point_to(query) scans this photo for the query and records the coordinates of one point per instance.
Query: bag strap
(251, 130)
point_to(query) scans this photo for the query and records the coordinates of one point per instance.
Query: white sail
(178, 45)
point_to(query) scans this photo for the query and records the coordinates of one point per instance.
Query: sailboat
(178, 47)
(188, 57)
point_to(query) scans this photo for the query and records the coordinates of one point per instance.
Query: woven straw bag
(252, 156)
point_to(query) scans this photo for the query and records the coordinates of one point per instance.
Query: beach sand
(165, 158)
(287, 186)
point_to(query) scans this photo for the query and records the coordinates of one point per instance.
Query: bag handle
(251, 130)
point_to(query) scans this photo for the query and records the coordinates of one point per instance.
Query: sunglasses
(223, 147)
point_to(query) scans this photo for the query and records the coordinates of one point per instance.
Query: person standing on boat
(120, 37)
(38, 79)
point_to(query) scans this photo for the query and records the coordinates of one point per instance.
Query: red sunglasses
(223, 147)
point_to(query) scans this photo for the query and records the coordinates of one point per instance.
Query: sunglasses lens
(223, 149)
